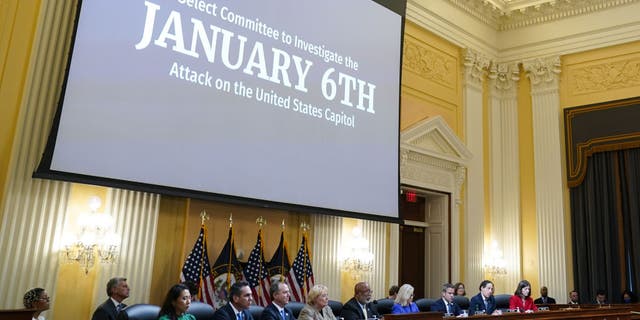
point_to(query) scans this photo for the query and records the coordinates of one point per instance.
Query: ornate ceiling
(512, 14)
(518, 30)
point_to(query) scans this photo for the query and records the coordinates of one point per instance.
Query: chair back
(336, 307)
(383, 306)
(141, 311)
(256, 311)
(295, 307)
(502, 301)
(201, 310)
(462, 301)
(424, 304)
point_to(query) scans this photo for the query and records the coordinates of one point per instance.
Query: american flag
(301, 274)
(197, 269)
(256, 274)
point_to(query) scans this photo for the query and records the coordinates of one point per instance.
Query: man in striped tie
(277, 309)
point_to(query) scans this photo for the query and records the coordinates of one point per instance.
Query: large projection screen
(280, 103)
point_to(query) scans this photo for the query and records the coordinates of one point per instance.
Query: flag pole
(230, 253)
(261, 222)
(305, 227)
(282, 253)
(203, 216)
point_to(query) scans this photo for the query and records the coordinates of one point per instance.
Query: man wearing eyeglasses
(359, 307)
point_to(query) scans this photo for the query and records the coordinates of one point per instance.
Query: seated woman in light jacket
(404, 301)
(317, 307)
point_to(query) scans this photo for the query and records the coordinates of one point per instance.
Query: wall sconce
(356, 257)
(96, 240)
(494, 263)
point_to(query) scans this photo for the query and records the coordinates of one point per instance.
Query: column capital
(504, 76)
(544, 73)
(475, 67)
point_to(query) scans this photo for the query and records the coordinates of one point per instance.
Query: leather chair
(256, 311)
(139, 311)
(295, 307)
(502, 301)
(201, 310)
(383, 306)
(424, 305)
(336, 307)
(461, 301)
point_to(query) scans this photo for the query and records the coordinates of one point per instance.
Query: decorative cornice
(508, 15)
(543, 72)
(605, 76)
(428, 63)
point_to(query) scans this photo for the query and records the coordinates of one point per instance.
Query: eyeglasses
(44, 298)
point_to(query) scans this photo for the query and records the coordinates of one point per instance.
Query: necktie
(240, 316)
(120, 307)
(364, 311)
(449, 308)
(486, 305)
(283, 315)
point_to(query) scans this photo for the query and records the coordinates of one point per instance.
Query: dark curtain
(605, 220)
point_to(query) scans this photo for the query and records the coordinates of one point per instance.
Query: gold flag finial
(204, 215)
(282, 225)
(261, 222)
(230, 220)
(305, 227)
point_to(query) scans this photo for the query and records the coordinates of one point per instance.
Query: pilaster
(475, 66)
(547, 128)
(504, 170)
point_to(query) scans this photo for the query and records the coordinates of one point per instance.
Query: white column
(327, 236)
(550, 215)
(474, 69)
(505, 171)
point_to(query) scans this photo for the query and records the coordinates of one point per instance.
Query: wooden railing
(558, 312)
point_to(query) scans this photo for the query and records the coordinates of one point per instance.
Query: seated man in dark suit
(446, 304)
(573, 297)
(359, 306)
(237, 308)
(117, 290)
(484, 302)
(601, 297)
(277, 310)
(544, 299)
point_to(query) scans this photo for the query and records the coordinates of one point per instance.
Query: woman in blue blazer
(484, 301)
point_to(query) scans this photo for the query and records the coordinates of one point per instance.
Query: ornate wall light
(356, 259)
(95, 242)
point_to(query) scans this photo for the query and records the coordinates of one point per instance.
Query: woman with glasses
(404, 301)
(36, 299)
(317, 307)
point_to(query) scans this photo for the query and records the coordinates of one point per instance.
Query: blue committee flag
(226, 271)
(279, 265)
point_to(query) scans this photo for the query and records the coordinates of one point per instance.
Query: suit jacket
(309, 313)
(227, 313)
(549, 301)
(351, 310)
(440, 307)
(271, 312)
(515, 302)
(477, 303)
(106, 311)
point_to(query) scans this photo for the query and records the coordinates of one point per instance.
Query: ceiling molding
(568, 26)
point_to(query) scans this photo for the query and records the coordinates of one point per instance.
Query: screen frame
(44, 171)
